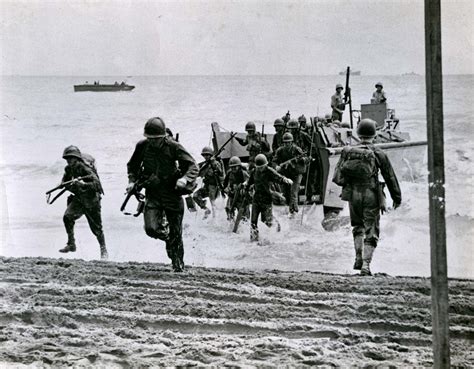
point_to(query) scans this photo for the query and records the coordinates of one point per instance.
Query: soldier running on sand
(212, 175)
(357, 171)
(262, 177)
(168, 171)
(85, 199)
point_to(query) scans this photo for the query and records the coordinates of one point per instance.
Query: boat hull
(102, 88)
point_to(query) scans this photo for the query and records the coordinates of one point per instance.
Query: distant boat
(410, 74)
(97, 87)
(353, 73)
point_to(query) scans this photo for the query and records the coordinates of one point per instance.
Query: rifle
(62, 186)
(347, 94)
(135, 191)
(285, 163)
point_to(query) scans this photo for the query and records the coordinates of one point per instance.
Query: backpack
(89, 160)
(357, 164)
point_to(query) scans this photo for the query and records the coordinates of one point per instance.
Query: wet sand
(72, 312)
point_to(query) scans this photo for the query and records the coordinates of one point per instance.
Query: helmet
(206, 150)
(279, 123)
(336, 122)
(72, 152)
(339, 86)
(250, 126)
(345, 125)
(154, 128)
(287, 137)
(261, 160)
(234, 162)
(292, 123)
(366, 128)
(302, 119)
(379, 84)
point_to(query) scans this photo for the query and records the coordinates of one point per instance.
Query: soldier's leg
(254, 222)
(295, 188)
(269, 219)
(357, 222)
(174, 245)
(156, 224)
(73, 212)
(371, 215)
(229, 207)
(200, 199)
(213, 193)
(93, 215)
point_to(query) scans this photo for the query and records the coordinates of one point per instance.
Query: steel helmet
(327, 116)
(261, 160)
(379, 84)
(287, 137)
(235, 162)
(302, 119)
(154, 128)
(207, 150)
(339, 86)
(336, 122)
(279, 123)
(292, 123)
(366, 128)
(72, 152)
(345, 125)
(250, 126)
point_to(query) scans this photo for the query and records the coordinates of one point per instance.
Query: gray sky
(228, 37)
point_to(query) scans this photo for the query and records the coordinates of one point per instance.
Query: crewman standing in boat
(167, 171)
(357, 172)
(337, 103)
(279, 132)
(85, 199)
(379, 96)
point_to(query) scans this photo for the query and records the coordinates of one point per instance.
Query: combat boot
(70, 247)
(253, 234)
(177, 265)
(358, 246)
(104, 255)
(367, 253)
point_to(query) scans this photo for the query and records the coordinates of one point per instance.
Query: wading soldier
(290, 161)
(262, 178)
(300, 139)
(337, 103)
(85, 199)
(255, 143)
(357, 171)
(211, 172)
(235, 177)
(167, 171)
(279, 132)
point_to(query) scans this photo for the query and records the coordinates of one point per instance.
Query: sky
(212, 37)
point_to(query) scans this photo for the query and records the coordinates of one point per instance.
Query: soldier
(85, 199)
(211, 172)
(279, 131)
(337, 103)
(327, 119)
(301, 139)
(291, 162)
(168, 171)
(255, 143)
(262, 177)
(379, 97)
(235, 177)
(357, 171)
(303, 124)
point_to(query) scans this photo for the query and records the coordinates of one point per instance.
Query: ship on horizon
(97, 87)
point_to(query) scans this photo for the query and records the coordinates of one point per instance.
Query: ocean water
(40, 116)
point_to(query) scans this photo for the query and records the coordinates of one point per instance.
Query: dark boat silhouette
(97, 87)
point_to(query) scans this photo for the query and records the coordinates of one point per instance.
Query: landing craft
(406, 156)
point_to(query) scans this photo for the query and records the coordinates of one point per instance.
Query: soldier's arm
(135, 162)
(91, 183)
(389, 176)
(275, 176)
(242, 141)
(67, 174)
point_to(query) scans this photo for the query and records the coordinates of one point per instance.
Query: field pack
(358, 164)
(89, 160)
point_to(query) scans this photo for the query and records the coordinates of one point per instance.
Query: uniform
(256, 144)
(85, 200)
(379, 97)
(211, 172)
(163, 162)
(293, 170)
(337, 100)
(232, 183)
